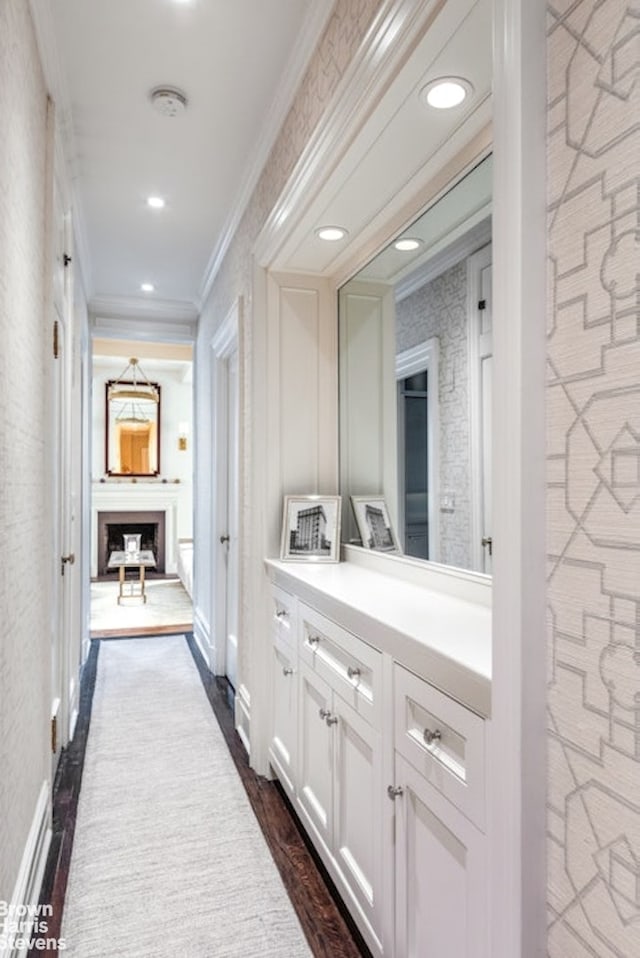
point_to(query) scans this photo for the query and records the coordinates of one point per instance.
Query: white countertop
(444, 639)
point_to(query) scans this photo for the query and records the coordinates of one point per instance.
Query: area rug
(168, 857)
(168, 603)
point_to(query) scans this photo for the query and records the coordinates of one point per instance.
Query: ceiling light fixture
(168, 101)
(408, 244)
(133, 390)
(155, 202)
(445, 92)
(331, 233)
(147, 287)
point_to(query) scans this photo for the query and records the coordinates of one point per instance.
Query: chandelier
(134, 391)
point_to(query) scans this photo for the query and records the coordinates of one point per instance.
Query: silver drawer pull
(331, 719)
(324, 713)
(314, 640)
(431, 737)
(394, 791)
(353, 673)
(286, 670)
(282, 614)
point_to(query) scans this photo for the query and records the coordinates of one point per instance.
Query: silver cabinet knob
(431, 737)
(353, 673)
(282, 614)
(314, 640)
(394, 791)
(324, 713)
(331, 720)
(287, 671)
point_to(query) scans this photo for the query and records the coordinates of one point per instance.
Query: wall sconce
(183, 435)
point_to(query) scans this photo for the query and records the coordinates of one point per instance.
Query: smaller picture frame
(374, 524)
(311, 529)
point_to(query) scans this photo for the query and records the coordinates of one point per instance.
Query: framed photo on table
(374, 524)
(311, 529)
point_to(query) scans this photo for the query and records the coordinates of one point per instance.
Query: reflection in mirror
(132, 425)
(415, 381)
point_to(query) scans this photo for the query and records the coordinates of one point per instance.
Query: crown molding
(65, 144)
(172, 320)
(394, 33)
(306, 44)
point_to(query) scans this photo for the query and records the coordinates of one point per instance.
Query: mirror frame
(107, 437)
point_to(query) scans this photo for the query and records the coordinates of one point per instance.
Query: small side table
(131, 560)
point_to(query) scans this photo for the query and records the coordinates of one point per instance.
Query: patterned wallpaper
(440, 309)
(594, 478)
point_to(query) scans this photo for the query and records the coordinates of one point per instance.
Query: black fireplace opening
(114, 526)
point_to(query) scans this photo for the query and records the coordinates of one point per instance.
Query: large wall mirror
(132, 435)
(415, 383)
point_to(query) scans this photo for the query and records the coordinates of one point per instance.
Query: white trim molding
(202, 636)
(518, 748)
(26, 891)
(243, 716)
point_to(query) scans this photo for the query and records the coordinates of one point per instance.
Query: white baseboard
(243, 716)
(34, 858)
(202, 636)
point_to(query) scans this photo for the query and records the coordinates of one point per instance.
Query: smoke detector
(168, 101)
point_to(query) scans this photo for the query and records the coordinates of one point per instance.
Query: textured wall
(594, 478)
(440, 309)
(342, 37)
(25, 517)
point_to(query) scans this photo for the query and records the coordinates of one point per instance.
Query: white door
(315, 767)
(231, 597)
(481, 381)
(358, 796)
(441, 875)
(64, 575)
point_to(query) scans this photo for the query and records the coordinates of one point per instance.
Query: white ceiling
(237, 61)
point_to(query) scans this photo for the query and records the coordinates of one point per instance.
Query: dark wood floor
(329, 930)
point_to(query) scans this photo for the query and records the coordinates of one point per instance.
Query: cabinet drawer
(443, 740)
(283, 615)
(350, 666)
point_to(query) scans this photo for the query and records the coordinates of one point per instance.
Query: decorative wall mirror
(415, 381)
(132, 435)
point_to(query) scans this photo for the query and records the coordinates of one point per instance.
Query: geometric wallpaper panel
(593, 475)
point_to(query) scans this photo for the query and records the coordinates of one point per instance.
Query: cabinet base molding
(34, 858)
(243, 716)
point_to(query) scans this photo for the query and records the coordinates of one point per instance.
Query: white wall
(26, 512)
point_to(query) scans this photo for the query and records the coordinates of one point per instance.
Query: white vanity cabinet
(340, 784)
(283, 744)
(387, 772)
(440, 852)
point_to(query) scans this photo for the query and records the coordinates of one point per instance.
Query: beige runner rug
(168, 857)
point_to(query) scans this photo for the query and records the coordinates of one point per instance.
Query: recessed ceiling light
(331, 233)
(445, 92)
(407, 244)
(147, 287)
(155, 202)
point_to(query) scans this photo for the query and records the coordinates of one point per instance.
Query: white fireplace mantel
(137, 497)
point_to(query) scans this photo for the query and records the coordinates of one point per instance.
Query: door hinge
(56, 339)
(482, 304)
(66, 259)
(54, 734)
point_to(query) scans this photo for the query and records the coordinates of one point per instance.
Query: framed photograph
(311, 529)
(374, 524)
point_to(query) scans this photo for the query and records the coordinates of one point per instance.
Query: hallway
(157, 802)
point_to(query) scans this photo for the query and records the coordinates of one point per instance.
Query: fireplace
(113, 526)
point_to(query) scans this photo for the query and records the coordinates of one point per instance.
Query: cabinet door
(358, 796)
(440, 874)
(285, 713)
(315, 778)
